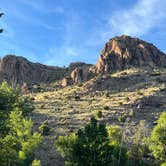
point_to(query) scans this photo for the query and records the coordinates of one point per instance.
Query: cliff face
(17, 70)
(118, 54)
(124, 51)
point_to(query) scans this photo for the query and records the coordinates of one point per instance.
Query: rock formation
(18, 70)
(118, 54)
(124, 51)
(77, 73)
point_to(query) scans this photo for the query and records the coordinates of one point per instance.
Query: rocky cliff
(124, 51)
(17, 70)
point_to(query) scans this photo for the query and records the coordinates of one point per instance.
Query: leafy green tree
(17, 140)
(89, 146)
(157, 141)
(17, 147)
(10, 99)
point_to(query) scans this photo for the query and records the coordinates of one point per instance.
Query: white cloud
(138, 20)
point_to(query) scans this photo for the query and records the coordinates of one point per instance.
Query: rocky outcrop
(124, 51)
(77, 75)
(18, 70)
(82, 65)
(66, 81)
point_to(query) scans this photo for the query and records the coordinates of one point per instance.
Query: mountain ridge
(119, 53)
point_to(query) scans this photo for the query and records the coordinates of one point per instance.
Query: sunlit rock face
(18, 70)
(124, 51)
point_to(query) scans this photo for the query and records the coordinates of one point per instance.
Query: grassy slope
(126, 90)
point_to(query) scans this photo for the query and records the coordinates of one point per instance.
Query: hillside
(127, 87)
(138, 96)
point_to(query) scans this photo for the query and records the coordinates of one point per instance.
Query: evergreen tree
(90, 146)
(17, 140)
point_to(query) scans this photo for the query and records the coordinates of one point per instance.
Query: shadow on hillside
(148, 108)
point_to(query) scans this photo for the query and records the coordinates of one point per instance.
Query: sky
(58, 32)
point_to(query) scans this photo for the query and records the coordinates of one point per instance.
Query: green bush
(90, 146)
(18, 146)
(99, 114)
(10, 100)
(122, 118)
(17, 140)
(136, 154)
(157, 140)
(44, 129)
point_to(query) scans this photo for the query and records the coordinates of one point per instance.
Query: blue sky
(58, 32)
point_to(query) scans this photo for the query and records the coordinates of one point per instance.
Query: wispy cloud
(70, 48)
(138, 20)
(34, 20)
(42, 8)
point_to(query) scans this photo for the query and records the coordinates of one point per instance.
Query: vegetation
(66, 115)
(91, 146)
(99, 114)
(157, 140)
(10, 100)
(1, 14)
(65, 111)
(17, 140)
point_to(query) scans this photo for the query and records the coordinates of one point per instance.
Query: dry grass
(66, 114)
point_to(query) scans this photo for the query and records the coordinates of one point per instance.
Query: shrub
(107, 94)
(157, 140)
(106, 108)
(140, 93)
(44, 129)
(137, 153)
(77, 98)
(122, 118)
(18, 146)
(99, 114)
(36, 163)
(89, 146)
(10, 99)
(17, 140)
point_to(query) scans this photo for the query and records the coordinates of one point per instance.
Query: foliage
(157, 140)
(17, 140)
(17, 147)
(10, 100)
(90, 146)
(36, 163)
(122, 118)
(44, 128)
(99, 114)
(114, 134)
(139, 149)
(136, 154)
